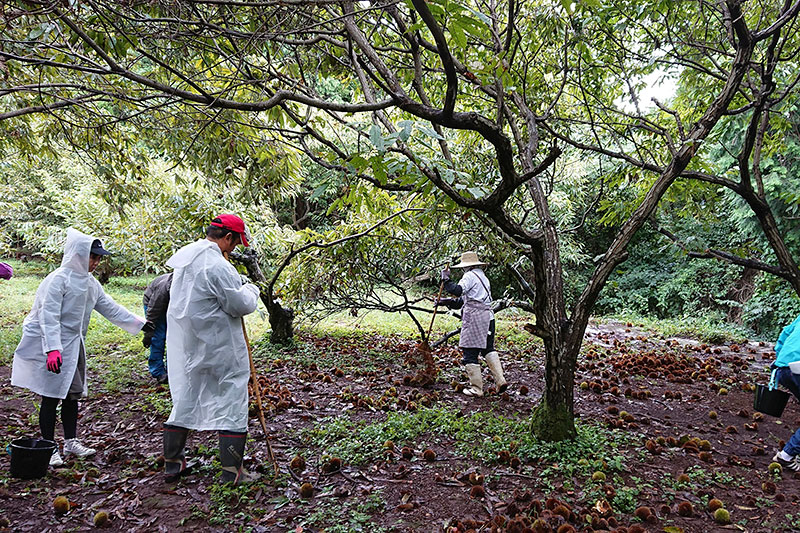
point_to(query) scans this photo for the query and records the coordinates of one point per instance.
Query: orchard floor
(648, 409)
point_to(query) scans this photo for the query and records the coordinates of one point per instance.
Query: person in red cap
(207, 359)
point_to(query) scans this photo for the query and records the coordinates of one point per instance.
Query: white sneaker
(56, 460)
(75, 447)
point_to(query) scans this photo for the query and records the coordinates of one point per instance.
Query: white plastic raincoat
(207, 358)
(59, 320)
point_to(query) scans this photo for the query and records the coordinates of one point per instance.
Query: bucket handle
(773, 382)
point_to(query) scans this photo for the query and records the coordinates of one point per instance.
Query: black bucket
(30, 457)
(770, 402)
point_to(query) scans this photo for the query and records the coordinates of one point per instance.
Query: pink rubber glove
(54, 361)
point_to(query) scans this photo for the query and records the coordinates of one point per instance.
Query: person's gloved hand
(446, 274)
(147, 340)
(149, 327)
(54, 361)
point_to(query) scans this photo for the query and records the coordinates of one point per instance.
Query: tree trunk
(281, 319)
(554, 418)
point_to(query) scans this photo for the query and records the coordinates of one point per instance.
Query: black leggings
(69, 417)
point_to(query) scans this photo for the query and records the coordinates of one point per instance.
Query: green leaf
(459, 38)
(476, 192)
(376, 138)
(430, 132)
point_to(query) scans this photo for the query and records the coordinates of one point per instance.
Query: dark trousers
(792, 382)
(155, 362)
(471, 354)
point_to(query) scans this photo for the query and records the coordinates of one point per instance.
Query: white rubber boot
(493, 360)
(475, 381)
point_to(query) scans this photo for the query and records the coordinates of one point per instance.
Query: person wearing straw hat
(786, 370)
(474, 298)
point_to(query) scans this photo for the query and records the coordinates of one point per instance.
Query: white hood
(188, 254)
(76, 251)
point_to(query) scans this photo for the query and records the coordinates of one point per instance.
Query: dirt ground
(678, 407)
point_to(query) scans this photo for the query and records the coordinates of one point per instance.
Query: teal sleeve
(785, 335)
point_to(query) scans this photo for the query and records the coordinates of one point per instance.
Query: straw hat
(469, 259)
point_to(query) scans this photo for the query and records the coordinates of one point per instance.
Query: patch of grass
(700, 328)
(350, 516)
(159, 402)
(227, 499)
(480, 435)
(704, 477)
(352, 354)
(626, 500)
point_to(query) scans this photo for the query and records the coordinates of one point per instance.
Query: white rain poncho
(207, 358)
(59, 320)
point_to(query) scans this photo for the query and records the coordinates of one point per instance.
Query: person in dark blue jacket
(787, 350)
(156, 302)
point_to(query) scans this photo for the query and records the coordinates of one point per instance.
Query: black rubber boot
(231, 453)
(174, 460)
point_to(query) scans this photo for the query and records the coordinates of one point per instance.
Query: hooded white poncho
(59, 320)
(207, 357)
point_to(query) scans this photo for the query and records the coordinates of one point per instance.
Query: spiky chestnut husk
(429, 455)
(476, 479)
(775, 468)
(298, 463)
(642, 513)
(407, 452)
(565, 528)
(515, 462)
(722, 516)
(769, 487)
(61, 505)
(477, 492)
(599, 476)
(101, 519)
(538, 526)
(563, 511)
(306, 490)
(685, 509)
(714, 504)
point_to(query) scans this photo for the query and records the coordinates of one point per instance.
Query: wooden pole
(257, 393)
(435, 307)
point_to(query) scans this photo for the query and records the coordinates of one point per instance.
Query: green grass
(701, 328)
(479, 436)
(349, 516)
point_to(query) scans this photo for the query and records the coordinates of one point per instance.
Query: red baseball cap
(233, 223)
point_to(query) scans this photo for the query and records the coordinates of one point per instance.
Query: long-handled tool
(435, 307)
(257, 393)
